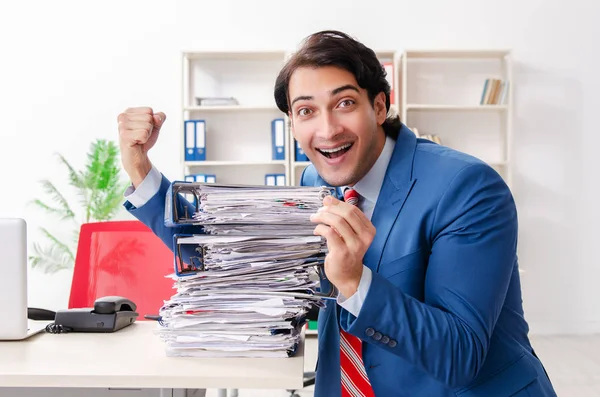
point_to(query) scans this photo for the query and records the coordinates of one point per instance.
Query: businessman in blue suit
(423, 253)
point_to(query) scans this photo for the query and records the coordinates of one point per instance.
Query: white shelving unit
(238, 136)
(436, 92)
(441, 92)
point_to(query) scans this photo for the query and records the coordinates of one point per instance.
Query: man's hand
(138, 132)
(349, 234)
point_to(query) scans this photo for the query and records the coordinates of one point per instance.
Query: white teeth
(336, 149)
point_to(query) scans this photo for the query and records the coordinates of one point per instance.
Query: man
(429, 294)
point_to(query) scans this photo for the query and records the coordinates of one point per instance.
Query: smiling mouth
(335, 152)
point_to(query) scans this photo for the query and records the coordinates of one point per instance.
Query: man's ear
(379, 106)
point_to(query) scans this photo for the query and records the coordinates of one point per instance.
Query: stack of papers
(256, 210)
(260, 275)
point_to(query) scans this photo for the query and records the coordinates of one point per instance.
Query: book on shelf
(430, 137)
(494, 92)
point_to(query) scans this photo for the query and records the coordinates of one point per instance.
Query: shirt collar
(370, 185)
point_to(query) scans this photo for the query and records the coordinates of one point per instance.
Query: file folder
(208, 178)
(195, 140)
(300, 155)
(270, 180)
(189, 138)
(200, 140)
(278, 139)
(280, 180)
(179, 212)
(193, 258)
(200, 178)
(275, 179)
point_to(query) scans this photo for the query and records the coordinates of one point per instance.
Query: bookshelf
(437, 93)
(443, 95)
(232, 93)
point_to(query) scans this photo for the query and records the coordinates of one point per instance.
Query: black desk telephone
(110, 314)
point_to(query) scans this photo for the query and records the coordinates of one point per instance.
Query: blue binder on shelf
(205, 178)
(278, 139)
(300, 155)
(195, 140)
(275, 179)
(189, 138)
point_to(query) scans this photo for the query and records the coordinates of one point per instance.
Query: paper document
(257, 272)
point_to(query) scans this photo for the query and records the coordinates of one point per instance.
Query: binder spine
(169, 206)
(278, 139)
(189, 139)
(193, 265)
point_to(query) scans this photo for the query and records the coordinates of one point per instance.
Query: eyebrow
(333, 92)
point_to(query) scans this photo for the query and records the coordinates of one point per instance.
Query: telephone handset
(109, 314)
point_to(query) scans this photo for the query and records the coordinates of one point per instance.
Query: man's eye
(303, 112)
(346, 103)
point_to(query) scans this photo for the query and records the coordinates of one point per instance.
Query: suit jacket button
(370, 331)
(392, 343)
(385, 340)
(377, 336)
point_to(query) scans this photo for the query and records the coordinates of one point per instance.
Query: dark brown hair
(334, 48)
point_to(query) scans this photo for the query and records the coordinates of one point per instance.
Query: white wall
(68, 68)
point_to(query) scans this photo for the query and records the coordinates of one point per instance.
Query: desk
(134, 357)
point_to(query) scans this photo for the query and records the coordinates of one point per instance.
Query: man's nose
(330, 126)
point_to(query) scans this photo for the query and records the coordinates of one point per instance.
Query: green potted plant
(100, 190)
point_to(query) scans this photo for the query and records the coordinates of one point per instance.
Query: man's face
(335, 123)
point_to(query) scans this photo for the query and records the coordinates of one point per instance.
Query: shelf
(457, 107)
(460, 54)
(232, 108)
(236, 55)
(232, 163)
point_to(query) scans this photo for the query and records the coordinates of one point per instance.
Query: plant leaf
(58, 244)
(75, 178)
(49, 259)
(64, 209)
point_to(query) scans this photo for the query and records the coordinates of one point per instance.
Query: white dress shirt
(368, 188)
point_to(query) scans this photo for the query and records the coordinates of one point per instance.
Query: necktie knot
(351, 196)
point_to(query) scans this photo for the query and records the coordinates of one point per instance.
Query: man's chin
(336, 179)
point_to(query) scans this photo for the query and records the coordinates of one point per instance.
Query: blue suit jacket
(443, 315)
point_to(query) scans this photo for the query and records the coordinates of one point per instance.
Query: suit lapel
(396, 187)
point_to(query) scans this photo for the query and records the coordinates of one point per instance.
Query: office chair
(123, 258)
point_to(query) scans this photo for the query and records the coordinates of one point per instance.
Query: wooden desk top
(134, 357)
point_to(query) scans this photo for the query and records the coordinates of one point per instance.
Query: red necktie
(355, 382)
